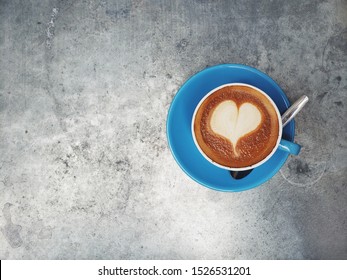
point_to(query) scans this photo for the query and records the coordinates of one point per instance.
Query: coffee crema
(236, 126)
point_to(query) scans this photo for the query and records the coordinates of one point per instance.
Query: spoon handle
(293, 110)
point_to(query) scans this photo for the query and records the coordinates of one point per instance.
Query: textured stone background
(85, 170)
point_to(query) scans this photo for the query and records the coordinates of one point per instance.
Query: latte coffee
(236, 126)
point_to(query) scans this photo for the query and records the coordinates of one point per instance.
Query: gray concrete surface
(85, 170)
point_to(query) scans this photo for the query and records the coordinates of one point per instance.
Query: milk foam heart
(232, 122)
(236, 126)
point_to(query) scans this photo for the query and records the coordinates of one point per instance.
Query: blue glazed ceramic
(180, 115)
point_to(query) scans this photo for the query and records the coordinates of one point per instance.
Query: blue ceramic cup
(282, 144)
(179, 134)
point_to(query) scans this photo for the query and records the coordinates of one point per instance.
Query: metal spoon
(286, 118)
(293, 110)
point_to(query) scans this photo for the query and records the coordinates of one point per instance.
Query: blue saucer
(178, 127)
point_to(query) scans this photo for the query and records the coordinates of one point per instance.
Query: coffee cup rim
(279, 136)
